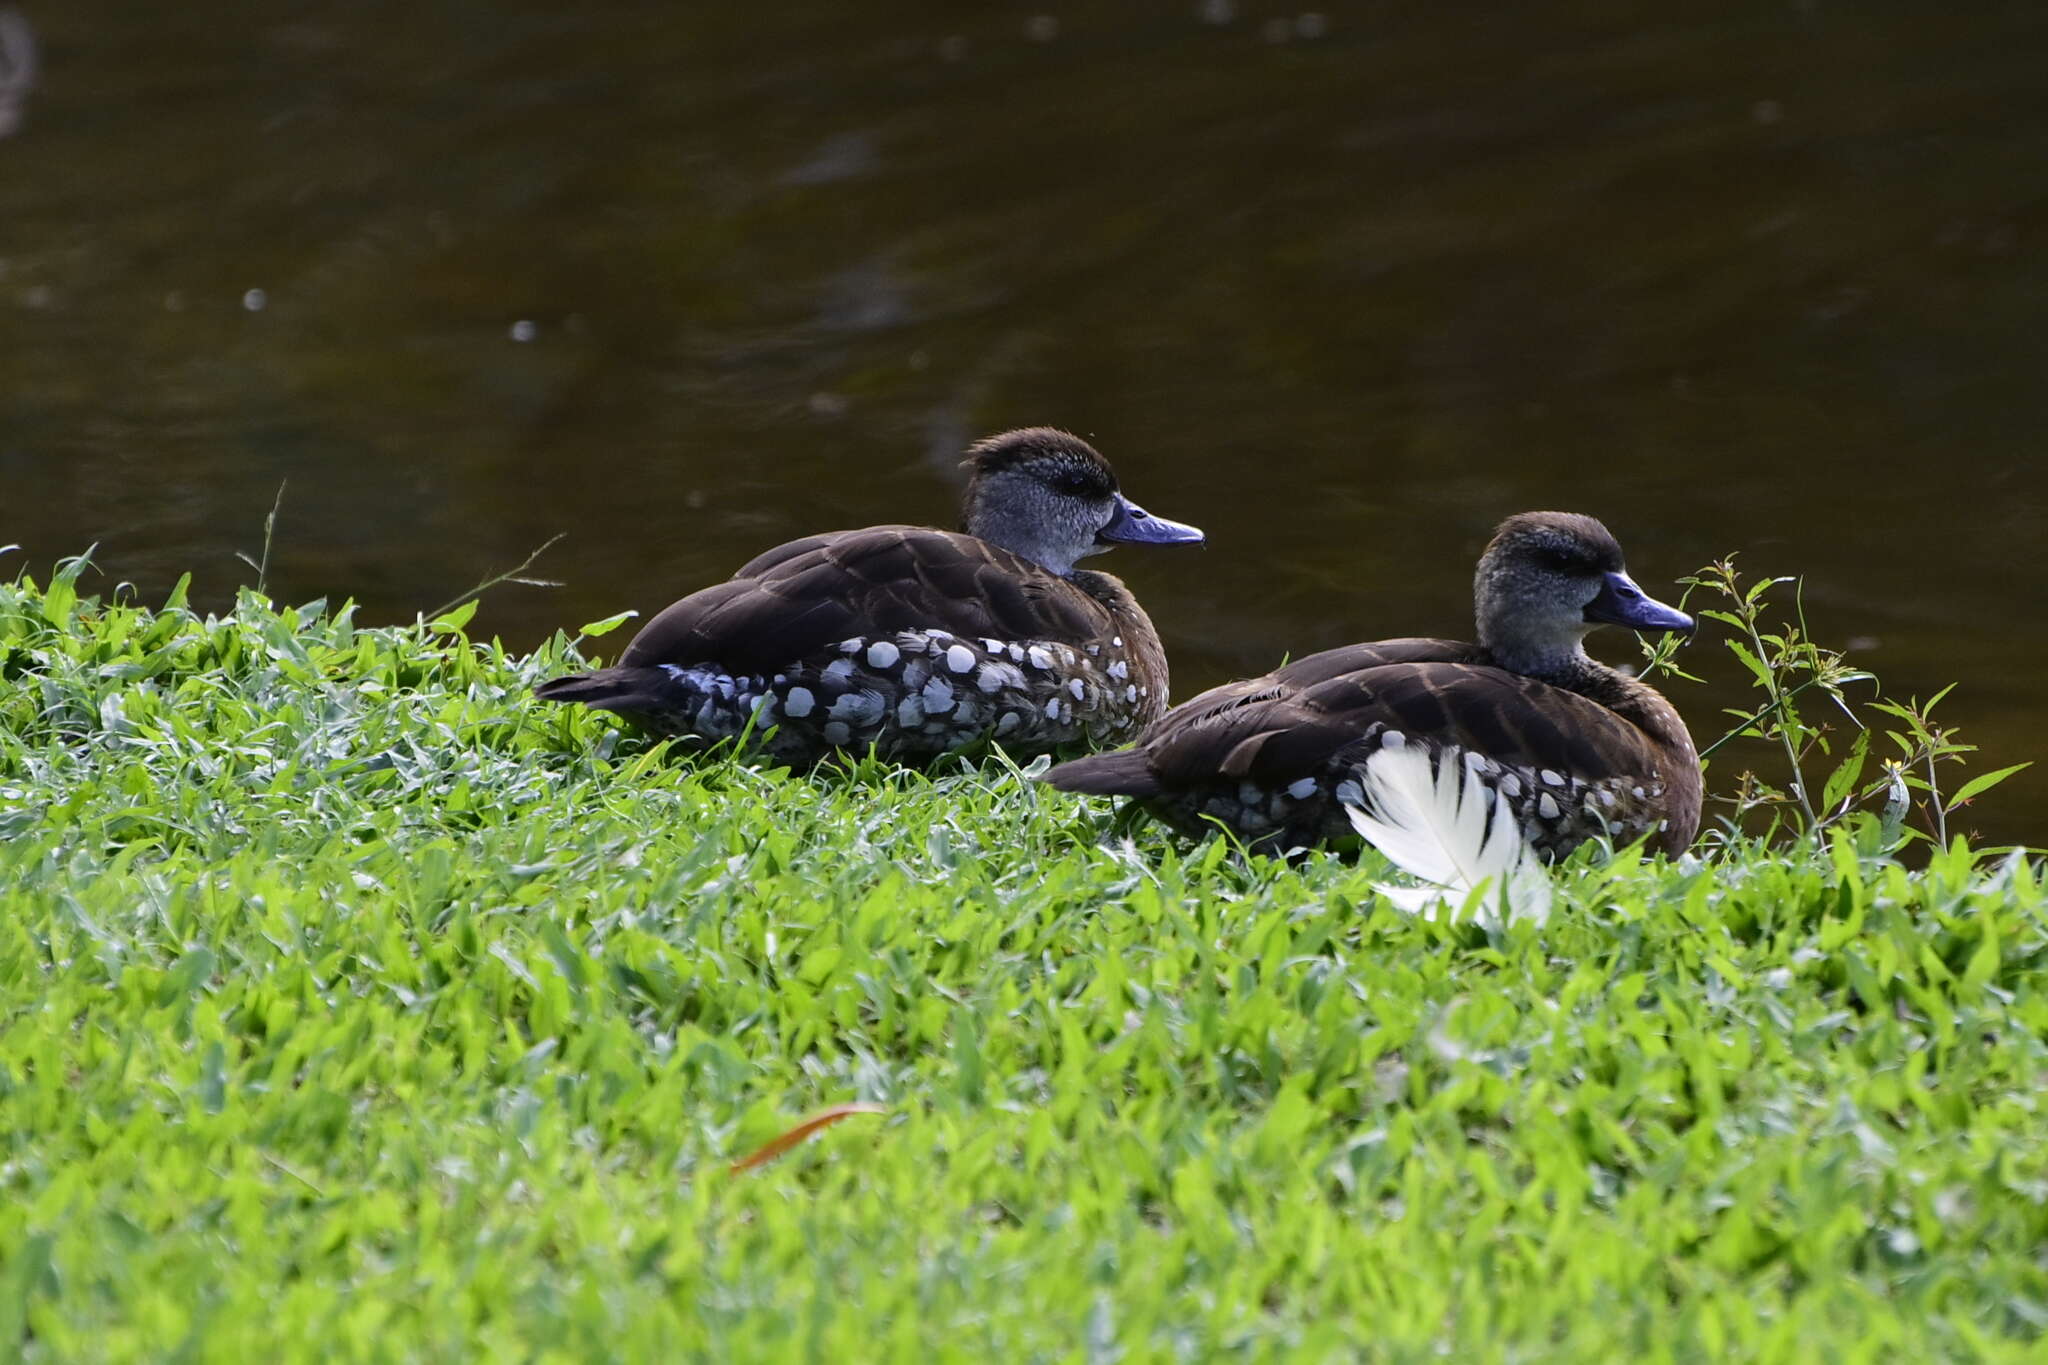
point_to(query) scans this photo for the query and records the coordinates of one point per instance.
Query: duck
(912, 640)
(1576, 749)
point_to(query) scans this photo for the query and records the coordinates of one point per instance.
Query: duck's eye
(1565, 562)
(1073, 481)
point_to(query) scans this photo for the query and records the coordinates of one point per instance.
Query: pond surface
(1344, 288)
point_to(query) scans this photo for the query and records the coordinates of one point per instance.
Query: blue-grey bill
(1622, 603)
(1133, 525)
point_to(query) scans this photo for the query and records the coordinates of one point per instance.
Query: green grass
(354, 1006)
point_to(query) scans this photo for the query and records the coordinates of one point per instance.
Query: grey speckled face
(1550, 577)
(1058, 504)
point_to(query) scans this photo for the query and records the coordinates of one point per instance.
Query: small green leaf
(453, 621)
(1843, 779)
(1976, 786)
(213, 1078)
(608, 624)
(1750, 661)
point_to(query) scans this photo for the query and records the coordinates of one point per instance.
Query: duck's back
(913, 639)
(1275, 758)
(871, 583)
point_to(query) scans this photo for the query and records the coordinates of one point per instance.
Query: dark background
(1344, 288)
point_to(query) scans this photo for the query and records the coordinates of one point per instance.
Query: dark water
(1343, 288)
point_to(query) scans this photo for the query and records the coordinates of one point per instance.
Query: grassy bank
(355, 1007)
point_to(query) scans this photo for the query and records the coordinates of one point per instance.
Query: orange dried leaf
(823, 1119)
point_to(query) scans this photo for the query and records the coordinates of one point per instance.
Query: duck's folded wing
(1297, 721)
(1188, 745)
(810, 594)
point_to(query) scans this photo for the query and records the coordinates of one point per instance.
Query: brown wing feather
(1294, 722)
(1251, 721)
(806, 595)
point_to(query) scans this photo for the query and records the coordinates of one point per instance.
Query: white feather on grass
(1436, 820)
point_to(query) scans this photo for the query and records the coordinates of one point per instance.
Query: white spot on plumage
(859, 708)
(938, 634)
(915, 671)
(1606, 795)
(938, 696)
(1016, 652)
(836, 732)
(1052, 709)
(1510, 785)
(1546, 806)
(1010, 721)
(1093, 650)
(909, 712)
(1393, 739)
(1074, 685)
(1040, 657)
(798, 703)
(1553, 779)
(996, 677)
(1638, 793)
(992, 646)
(1131, 692)
(1119, 670)
(959, 658)
(852, 646)
(882, 654)
(1117, 640)
(839, 672)
(1302, 790)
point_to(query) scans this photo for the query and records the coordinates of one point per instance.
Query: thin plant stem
(1934, 803)
(1756, 716)
(511, 575)
(1782, 698)
(262, 567)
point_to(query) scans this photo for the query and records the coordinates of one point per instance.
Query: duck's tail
(1437, 820)
(639, 690)
(1123, 773)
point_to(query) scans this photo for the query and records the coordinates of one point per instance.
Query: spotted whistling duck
(913, 640)
(1578, 748)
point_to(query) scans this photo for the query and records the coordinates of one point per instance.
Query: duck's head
(1547, 579)
(1049, 497)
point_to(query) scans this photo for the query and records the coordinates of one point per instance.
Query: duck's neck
(1562, 663)
(1045, 557)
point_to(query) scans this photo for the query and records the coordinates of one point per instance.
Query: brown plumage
(916, 640)
(1577, 748)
